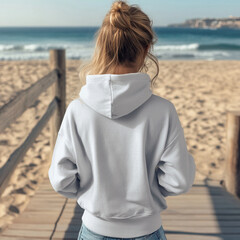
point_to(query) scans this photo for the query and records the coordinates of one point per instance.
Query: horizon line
(68, 26)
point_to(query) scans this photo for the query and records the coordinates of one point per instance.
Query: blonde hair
(125, 34)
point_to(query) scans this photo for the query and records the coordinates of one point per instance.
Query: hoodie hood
(116, 95)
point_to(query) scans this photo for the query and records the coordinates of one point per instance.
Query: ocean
(23, 43)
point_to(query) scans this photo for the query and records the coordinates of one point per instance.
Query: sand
(202, 92)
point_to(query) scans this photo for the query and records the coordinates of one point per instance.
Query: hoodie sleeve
(176, 168)
(63, 172)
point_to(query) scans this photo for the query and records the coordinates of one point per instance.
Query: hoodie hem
(122, 228)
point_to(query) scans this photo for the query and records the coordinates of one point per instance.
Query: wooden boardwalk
(206, 212)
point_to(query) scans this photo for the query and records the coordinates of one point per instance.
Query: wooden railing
(17, 106)
(232, 167)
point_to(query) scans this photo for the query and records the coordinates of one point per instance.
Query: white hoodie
(119, 152)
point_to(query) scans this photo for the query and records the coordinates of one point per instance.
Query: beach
(202, 92)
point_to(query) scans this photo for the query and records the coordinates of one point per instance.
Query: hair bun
(119, 15)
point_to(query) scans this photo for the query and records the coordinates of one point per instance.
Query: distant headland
(210, 23)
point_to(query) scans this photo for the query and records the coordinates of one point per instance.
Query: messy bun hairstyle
(125, 34)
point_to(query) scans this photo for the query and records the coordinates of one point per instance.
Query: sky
(91, 12)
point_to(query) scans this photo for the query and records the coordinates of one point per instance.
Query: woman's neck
(123, 70)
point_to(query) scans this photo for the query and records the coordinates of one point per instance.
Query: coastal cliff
(213, 23)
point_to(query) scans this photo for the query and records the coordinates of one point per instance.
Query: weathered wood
(205, 216)
(57, 61)
(9, 167)
(205, 229)
(30, 233)
(202, 236)
(166, 216)
(37, 218)
(32, 226)
(21, 238)
(8, 113)
(232, 173)
(25, 98)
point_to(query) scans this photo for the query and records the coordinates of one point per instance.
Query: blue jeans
(87, 234)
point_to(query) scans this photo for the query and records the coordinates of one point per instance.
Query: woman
(120, 149)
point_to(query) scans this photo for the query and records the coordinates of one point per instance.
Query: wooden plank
(50, 201)
(45, 207)
(40, 227)
(202, 237)
(213, 205)
(42, 205)
(27, 233)
(47, 196)
(44, 210)
(207, 197)
(21, 238)
(201, 196)
(29, 217)
(77, 213)
(203, 206)
(201, 223)
(66, 235)
(207, 182)
(25, 99)
(31, 226)
(198, 217)
(204, 201)
(232, 170)
(7, 170)
(67, 221)
(69, 228)
(204, 211)
(209, 217)
(204, 229)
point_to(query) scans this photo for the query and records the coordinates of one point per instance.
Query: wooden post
(57, 61)
(232, 174)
